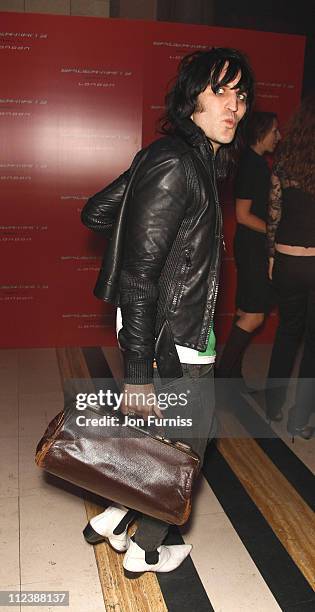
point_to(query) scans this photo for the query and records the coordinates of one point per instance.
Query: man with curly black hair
(162, 265)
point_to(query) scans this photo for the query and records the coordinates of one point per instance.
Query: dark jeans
(198, 381)
(294, 280)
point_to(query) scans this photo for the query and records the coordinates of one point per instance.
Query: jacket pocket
(179, 281)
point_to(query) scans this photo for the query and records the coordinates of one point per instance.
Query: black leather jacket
(162, 262)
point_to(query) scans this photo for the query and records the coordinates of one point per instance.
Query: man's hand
(270, 268)
(140, 400)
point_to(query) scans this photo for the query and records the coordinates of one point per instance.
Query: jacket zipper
(217, 260)
(218, 237)
(185, 267)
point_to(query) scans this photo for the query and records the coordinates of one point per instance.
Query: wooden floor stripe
(142, 594)
(287, 513)
(295, 471)
(286, 582)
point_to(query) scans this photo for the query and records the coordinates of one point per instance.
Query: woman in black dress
(254, 293)
(291, 246)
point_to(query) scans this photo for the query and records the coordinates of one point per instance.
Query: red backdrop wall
(80, 97)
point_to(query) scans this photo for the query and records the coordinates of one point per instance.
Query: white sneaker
(105, 525)
(136, 560)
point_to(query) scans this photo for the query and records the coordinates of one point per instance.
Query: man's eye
(242, 96)
(220, 90)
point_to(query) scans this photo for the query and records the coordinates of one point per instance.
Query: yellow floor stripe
(286, 512)
(120, 594)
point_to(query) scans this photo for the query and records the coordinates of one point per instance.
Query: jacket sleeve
(99, 213)
(156, 209)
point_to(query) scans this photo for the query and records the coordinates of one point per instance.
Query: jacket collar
(193, 135)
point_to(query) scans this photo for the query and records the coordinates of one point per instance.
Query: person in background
(254, 294)
(291, 247)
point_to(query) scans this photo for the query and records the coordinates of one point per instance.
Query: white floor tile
(230, 577)
(8, 372)
(32, 420)
(8, 416)
(204, 503)
(9, 358)
(52, 545)
(38, 371)
(31, 477)
(9, 542)
(52, 517)
(36, 411)
(9, 467)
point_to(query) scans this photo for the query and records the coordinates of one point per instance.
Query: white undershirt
(185, 354)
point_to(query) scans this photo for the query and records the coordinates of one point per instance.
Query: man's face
(271, 139)
(218, 114)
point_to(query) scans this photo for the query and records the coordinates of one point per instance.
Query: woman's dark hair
(195, 72)
(259, 124)
(295, 158)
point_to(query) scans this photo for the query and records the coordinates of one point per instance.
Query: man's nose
(233, 101)
(279, 136)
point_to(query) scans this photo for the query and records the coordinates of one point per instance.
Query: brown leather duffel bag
(128, 465)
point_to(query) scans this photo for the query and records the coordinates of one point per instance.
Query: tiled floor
(211, 534)
(41, 544)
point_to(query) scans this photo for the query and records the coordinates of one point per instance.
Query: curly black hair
(195, 72)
